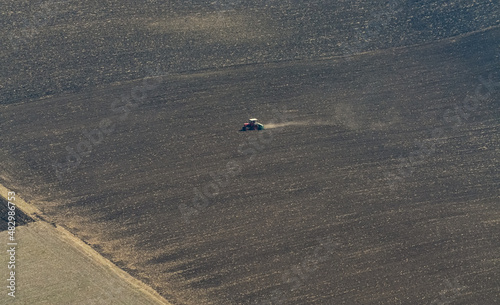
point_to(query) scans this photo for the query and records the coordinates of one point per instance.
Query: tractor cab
(252, 125)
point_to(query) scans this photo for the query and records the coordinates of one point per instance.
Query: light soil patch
(54, 267)
(227, 27)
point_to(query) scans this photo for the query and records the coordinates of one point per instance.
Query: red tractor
(252, 125)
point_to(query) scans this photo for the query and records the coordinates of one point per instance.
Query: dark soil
(378, 185)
